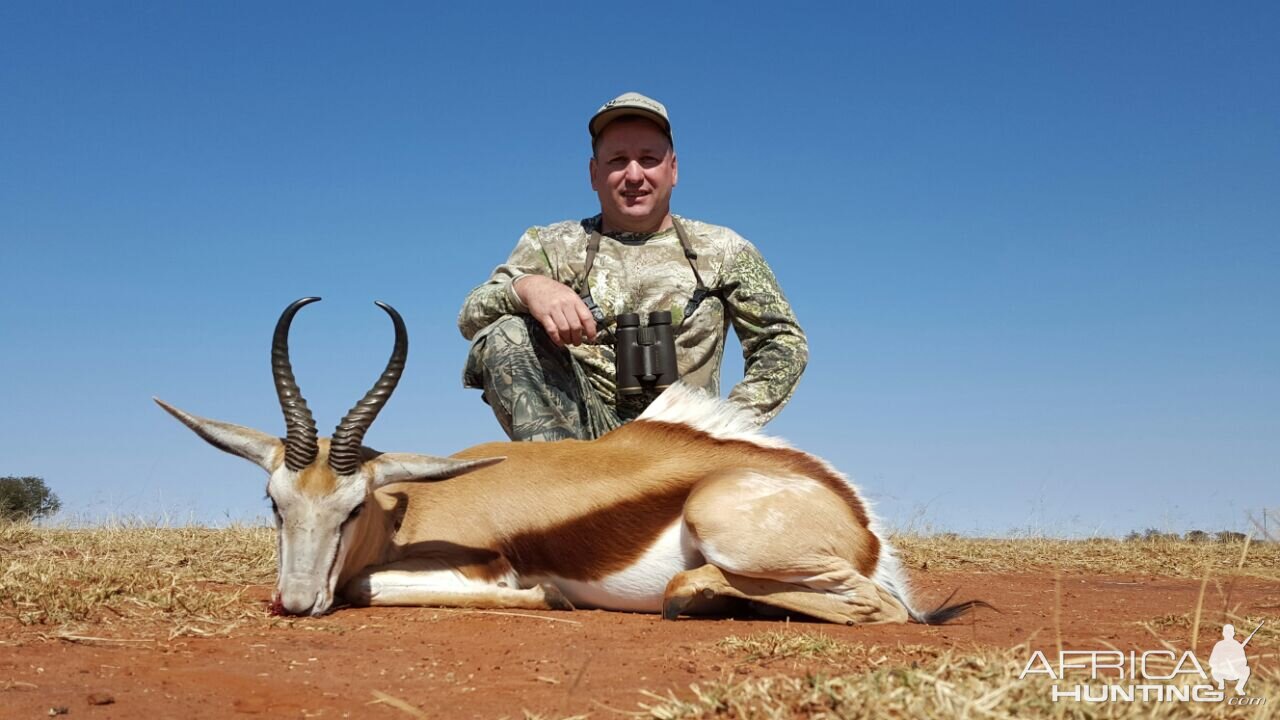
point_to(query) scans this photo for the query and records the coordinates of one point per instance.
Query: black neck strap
(700, 292)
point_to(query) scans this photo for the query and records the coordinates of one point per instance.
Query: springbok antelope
(687, 509)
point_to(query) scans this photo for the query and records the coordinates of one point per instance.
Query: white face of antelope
(318, 518)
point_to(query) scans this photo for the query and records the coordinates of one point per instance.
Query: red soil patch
(463, 664)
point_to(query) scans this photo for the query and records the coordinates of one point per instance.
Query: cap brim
(599, 122)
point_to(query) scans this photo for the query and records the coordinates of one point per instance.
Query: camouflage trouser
(537, 390)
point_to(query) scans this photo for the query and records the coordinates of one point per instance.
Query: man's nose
(634, 173)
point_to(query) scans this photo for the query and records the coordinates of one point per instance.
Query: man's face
(633, 172)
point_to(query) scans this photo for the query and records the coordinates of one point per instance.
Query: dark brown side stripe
(602, 543)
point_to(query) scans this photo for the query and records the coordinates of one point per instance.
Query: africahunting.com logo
(1098, 676)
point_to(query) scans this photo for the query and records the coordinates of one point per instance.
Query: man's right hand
(560, 311)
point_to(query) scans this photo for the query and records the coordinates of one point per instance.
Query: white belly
(638, 587)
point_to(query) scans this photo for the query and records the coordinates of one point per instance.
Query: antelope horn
(300, 440)
(344, 450)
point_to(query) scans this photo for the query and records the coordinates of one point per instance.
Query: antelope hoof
(674, 605)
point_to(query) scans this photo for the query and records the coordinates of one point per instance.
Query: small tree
(26, 498)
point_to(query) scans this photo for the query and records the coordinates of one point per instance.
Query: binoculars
(646, 356)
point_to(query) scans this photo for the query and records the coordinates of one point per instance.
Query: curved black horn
(344, 451)
(300, 441)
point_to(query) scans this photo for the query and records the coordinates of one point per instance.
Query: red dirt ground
(465, 664)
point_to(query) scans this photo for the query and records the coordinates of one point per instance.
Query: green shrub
(26, 498)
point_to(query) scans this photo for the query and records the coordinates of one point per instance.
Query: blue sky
(1036, 246)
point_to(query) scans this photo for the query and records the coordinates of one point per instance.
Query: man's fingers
(571, 331)
(552, 331)
(588, 321)
(561, 312)
(565, 323)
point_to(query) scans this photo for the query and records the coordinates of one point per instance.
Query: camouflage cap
(631, 103)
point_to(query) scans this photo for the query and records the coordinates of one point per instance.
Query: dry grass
(982, 684)
(194, 581)
(796, 652)
(1164, 557)
(785, 643)
(1268, 634)
(194, 578)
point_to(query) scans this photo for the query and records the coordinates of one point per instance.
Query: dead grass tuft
(194, 577)
(1267, 635)
(780, 644)
(1167, 557)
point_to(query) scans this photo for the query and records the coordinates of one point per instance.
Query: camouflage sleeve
(496, 297)
(774, 347)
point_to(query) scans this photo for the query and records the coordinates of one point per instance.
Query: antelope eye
(356, 512)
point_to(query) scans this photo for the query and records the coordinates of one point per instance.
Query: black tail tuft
(945, 613)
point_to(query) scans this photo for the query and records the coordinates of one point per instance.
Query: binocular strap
(700, 292)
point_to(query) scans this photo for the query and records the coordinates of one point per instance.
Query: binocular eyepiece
(645, 356)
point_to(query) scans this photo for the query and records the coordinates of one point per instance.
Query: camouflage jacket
(644, 273)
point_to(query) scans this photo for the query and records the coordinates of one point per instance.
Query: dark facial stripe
(333, 561)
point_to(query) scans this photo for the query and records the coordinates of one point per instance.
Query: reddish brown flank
(622, 527)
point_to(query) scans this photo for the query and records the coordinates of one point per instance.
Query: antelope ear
(390, 468)
(257, 447)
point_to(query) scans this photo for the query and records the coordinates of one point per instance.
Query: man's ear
(675, 169)
(591, 169)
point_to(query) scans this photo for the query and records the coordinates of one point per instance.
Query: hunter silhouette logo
(1158, 676)
(1228, 662)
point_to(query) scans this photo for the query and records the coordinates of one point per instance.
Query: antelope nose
(297, 603)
